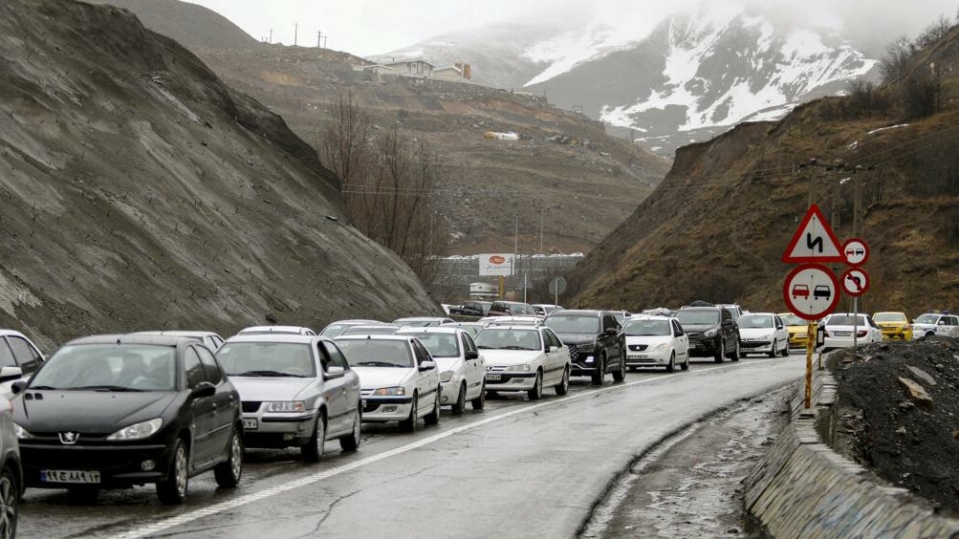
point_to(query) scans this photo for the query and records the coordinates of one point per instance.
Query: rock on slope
(137, 191)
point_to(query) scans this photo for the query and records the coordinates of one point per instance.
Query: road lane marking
(172, 522)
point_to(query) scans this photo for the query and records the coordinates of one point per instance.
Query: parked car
(595, 340)
(524, 358)
(931, 324)
(511, 321)
(838, 328)
(296, 391)
(422, 321)
(733, 308)
(210, 339)
(544, 309)
(798, 330)
(462, 368)
(399, 380)
(293, 330)
(122, 410)
(473, 328)
(763, 333)
(894, 325)
(19, 359)
(510, 308)
(471, 308)
(337, 328)
(11, 473)
(379, 329)
(712, 332)
(654, 341)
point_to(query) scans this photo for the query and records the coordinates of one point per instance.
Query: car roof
(526, 327)
(275, 338)
(579, 312)
(355, 322)
(701, 308)
(891, 312)
(422, 318)
(12, 333)
(760, 314)
(176, 333)
(390, 337)
(121, 338)
(274, 329)
(435, 329)
(649, 317)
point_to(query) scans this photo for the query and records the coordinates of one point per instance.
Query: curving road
(517, 469)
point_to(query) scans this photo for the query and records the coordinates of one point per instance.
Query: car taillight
(861, 333)
(825, 332)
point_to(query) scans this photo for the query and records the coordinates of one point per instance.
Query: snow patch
(881, 129)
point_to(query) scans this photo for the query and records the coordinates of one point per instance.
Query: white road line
(172, 522)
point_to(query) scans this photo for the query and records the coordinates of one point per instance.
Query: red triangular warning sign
(814, 241)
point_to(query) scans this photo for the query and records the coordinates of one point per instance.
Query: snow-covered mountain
(668, 81)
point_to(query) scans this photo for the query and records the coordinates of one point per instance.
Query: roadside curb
(804, 489)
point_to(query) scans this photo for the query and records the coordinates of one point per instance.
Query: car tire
(737, 352)
(229, 472)
(9, 503)
(433, 418)
(410, 423)
(312, 451)
(536, 393)
(786, 350)
(671, 367)
(721, 352)
(460, 405)
(480, 402)
(352, 442)
(685, 365)
(619, 374)
(600, 375)
(173, 489)
(563, 387)
(775, 349)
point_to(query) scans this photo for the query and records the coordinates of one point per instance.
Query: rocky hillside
(717, 226)
(138, 191)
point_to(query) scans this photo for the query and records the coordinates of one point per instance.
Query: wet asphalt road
(516, 469)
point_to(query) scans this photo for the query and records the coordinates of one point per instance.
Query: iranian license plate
(494, 377)
(844, 334)
(70, 476)
(251, 424)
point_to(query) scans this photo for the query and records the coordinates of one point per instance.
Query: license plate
(844, 334)
(250, 424)
(494, 377)
(637, 356)
(69, 476)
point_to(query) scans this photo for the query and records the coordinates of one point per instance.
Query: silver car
(11, 473)
(296, 391)
(19, 358)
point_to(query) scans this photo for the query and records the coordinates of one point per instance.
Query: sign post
(855, 281)
(557, 286)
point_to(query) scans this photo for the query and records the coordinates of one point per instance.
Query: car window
(337, 359)
(677, 329)
(213, 373)
(421, 353)
(726, 315)
(468, 343)
(954, 321)
(26, 356)
(193, 368)
(551, 338)
(6, 355)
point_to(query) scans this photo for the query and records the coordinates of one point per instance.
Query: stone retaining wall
(804, 489)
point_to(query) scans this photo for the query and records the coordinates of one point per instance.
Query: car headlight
(518, 368)
(446, 376)
(139, 431)
(21, 432)
(286, 406)
(397, 391)
(711, 333)
(661, 347)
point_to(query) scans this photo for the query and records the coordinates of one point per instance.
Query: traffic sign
(814, 241)
(855, 282)
(811, 291)
(855, 251)
(557, 286)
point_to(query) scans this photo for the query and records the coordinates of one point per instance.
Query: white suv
(930, 324)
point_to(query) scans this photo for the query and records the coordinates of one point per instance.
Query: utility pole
(271, 36)
(319, 39)
(542, 217)
(296, 33)
(515, 243)
(836, 187)
(857, 203)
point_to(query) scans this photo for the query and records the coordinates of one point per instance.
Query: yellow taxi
(894, 325)
(797, 330)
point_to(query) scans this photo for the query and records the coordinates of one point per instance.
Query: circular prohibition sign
(811, 291)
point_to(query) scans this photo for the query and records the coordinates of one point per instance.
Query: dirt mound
(905, 425)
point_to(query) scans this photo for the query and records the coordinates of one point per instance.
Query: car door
(680, 340)
(7, 360)
(728, 327)
(224, 402)
(203, 409)
(555, 360)
(475, 368)
(425, 387)
(334, 391)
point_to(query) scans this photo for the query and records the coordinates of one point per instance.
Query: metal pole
(515, 242)
(855, 322)
(524, 287)
(810, 346)
(542, 216)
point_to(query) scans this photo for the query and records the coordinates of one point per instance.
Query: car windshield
(693, 317)
(793, 320)
(415, 323)
(374, 353)
(928, 319)
(648, 328)
(370, 330)
(508, 339)
(889, 317)
(334, 330)
(109, 367)
(438, 344)
(755, 321)
(267, 359)
(846, 320)
(574, 323)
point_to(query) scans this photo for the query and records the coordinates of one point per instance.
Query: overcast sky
(366, 27)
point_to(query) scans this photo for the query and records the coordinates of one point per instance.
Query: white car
(524, 358)
(511, 321)
(838, 329)
(378, 329)
(763, 333)
(398, 377)
(462, 368)
(292, 330)
(473, 328)
(210, 339)
(11, 471)
(335, 329)
(656, 341)
(423, 321)
(931, 324)
(295, 391)
(19, 358)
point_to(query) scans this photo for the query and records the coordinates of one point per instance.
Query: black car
(595, 340)
(712, 331)
(116, 411)
(472, 308)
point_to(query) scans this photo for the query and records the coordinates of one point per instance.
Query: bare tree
(894, 64)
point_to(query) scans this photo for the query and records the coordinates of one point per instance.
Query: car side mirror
(18, 387)
(204, 390)
(10, 373)
(427, 365)
(334, 372)
(472, 354)
(553, 349)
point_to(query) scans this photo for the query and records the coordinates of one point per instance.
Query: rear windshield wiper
(104, 388)
(269, 373)
(44, 387)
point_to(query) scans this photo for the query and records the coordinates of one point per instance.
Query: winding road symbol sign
(855, 282)
(814, 241)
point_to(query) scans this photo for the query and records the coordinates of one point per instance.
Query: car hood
(261, 388)
(377, 377)
(447, 363)
(577, 338)
(505, 358)
(93, 412)
(893, 324)
(700, 328)
(650, 341)
(756, 333)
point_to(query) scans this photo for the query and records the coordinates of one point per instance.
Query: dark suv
(595, 340)
(472, 308)
(712, 331)
(510, 308)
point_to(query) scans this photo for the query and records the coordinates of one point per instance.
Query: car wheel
(9, 504)
(410, 423)
(685, 365)
(172, 490)
(786, 350)
(460, 405)
(600, 375)
(480, 402)
(537, 392)
(352, 442)
(313, 450)
(620, 374)
(775, 349)
(433, 418)
(563, 387)
(671, 367)
(737, 352)
(229, 472)
(721, 352)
